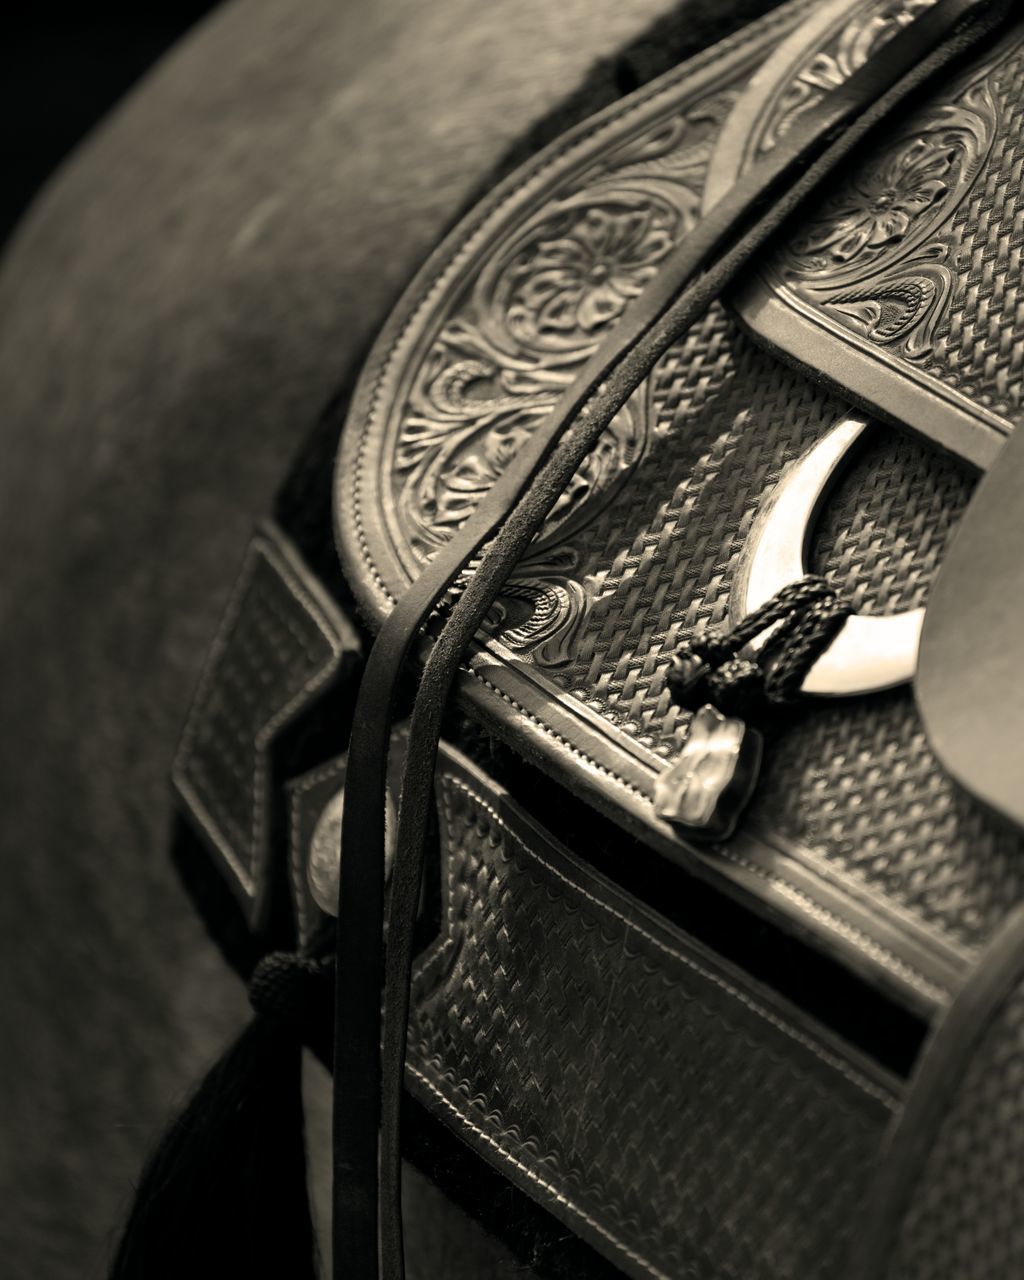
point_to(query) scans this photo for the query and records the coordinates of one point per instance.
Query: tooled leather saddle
(625, 689)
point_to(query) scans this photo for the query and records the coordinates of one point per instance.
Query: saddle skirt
(679, 1052)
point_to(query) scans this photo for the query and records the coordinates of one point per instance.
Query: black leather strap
(688, 282)
(943, 1064)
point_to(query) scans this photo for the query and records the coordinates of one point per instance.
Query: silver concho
(325, 852)
(709, 785)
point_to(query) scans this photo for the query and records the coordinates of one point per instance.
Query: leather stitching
(883, 1096)
(499, 1140)
(660, 88)
(533, 1175)
(936, 993)
(562, 741)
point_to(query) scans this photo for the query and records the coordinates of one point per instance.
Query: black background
(62, 66)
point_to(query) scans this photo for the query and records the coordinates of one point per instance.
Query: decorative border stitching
(571, 747)
(533, 1176)
(887, 959)
(867, 1087)
(438, 1087)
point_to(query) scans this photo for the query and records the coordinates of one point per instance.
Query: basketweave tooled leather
(720, 1123)
(855, 836)
(282, 644)
(720, 1133)
(662, 1103)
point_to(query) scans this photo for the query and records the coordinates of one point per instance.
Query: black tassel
(225, 1192)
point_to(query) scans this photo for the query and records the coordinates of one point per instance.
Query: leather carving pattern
(680, 1120)
(873, 258)
(903, 284)
(532, 314)
(901, 827)
(977, 348)
(832, 62)
(281, 644)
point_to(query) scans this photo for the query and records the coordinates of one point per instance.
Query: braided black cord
(802, 620)
(804, 638)
(287, 988)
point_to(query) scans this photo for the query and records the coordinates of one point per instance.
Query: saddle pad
(856, 838)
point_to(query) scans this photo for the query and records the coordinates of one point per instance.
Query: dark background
(62, 66)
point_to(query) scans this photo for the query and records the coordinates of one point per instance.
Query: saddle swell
(648, 544)
(688, 1053)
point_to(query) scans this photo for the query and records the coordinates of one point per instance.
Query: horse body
(177, 308)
